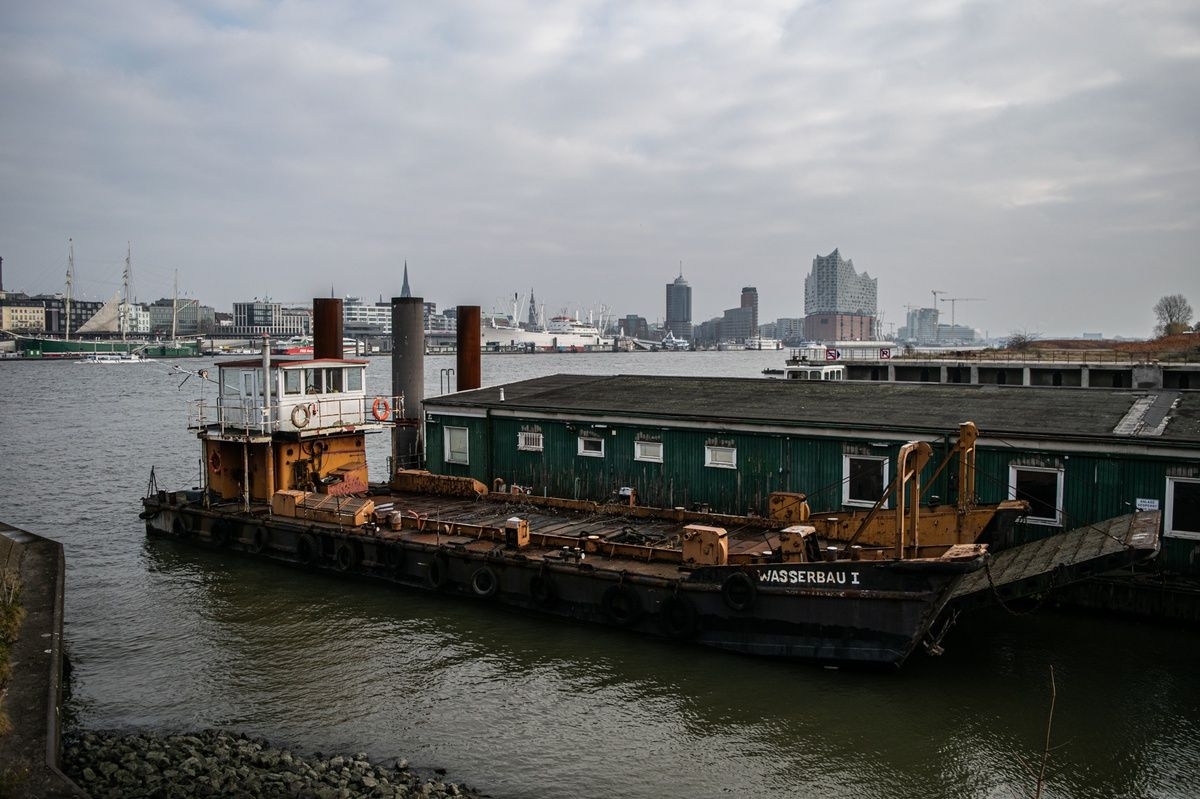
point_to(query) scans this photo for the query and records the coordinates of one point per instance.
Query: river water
(166, 637)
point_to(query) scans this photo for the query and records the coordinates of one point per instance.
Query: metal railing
(306, 413)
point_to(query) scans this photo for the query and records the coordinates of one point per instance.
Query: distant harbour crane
(953, 300)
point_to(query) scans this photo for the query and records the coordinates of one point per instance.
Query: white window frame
(584, 441)
(1056, 521)
(713, 461)
(649, 451)
(529, 441)
(887, 478)
(450, 457)
(1169, 519)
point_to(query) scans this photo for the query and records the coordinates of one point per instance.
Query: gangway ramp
(1040, 566)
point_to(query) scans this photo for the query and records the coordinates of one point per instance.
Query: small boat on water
(114, 358)
(285, 479)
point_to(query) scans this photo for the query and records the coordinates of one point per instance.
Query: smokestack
(327, 328)
(468, 340)
(408, 379)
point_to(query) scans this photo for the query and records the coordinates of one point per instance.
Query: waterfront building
(21, 317)
(839, 303)
(750, 303)
(361, 319)
(263, 317)
(184, 317)
(679, 308)
(634, 326)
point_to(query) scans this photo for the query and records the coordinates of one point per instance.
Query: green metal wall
(1095, 487)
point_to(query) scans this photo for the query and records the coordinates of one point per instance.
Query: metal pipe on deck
(327, 328)
(468, 340)
(408, 379)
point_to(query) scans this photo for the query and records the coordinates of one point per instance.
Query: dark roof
(883, 406)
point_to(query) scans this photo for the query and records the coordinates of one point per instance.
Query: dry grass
(11, 616)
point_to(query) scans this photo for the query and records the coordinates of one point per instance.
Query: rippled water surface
(168, 637)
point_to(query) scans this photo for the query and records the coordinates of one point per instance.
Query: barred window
(529, 442)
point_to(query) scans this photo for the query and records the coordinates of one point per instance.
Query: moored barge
(285, 478)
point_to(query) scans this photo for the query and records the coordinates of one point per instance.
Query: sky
(1041, 159)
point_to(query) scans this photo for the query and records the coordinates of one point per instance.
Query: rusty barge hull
(873, 613)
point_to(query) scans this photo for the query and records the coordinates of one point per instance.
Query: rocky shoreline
(223, 764)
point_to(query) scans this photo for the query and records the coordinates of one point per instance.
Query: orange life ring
(214, 462)
(380, 409)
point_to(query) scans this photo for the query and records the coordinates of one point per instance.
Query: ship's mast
(70, 279)
(125, 280)
(174, 306)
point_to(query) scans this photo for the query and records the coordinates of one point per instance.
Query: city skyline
(1042, 158)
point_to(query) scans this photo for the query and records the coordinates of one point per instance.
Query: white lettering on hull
(808, 577)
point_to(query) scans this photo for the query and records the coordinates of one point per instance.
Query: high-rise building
(750, 303)
(679, 308)
(839, 303)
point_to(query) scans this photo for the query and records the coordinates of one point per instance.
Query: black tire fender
(259, 537)
(677, 614)
(542, 590)
(484, 582)
(739, 591)
(622, 605)
(393, 556)
(306, 549)
(345, 557)
(437, 573)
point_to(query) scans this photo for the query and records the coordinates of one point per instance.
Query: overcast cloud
(1041, 156)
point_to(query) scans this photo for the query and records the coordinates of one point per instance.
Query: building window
(864, 479)
(529, 442)
(1042, 488)
(651, 451)
(591, 447)
(457, 445)
(1183, 508)
(720, 457)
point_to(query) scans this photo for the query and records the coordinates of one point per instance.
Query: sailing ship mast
(70, 278)
(125, 304)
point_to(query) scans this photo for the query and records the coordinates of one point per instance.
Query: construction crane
(935, 292)
(953, 300)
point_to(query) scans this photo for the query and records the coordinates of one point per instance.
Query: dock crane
(953, 300)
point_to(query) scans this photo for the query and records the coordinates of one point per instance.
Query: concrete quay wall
(31, 752)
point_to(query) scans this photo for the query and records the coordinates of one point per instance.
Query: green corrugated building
(1079, 455)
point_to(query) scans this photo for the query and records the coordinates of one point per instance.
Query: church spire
(404, 290)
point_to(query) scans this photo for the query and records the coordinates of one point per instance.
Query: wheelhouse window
(1183, 508)
(291, 381)
(333, 380)
(529, 442)
(720, 457)
(354, 378)
(591, 446)
(864, 479)
(312, 381)
(457, 445)
(650, 451)
(1042, 488)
